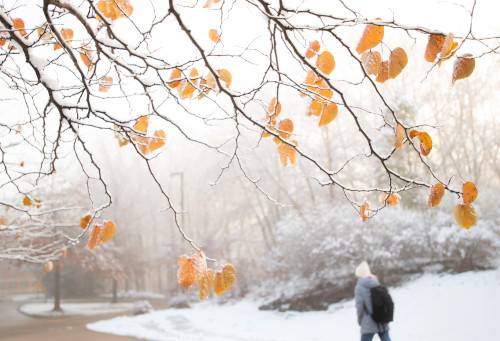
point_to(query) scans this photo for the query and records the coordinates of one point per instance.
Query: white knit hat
(362, 270)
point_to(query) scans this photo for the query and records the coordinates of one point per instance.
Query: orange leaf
(94, 237)
(372, 36)
(383, 73)
(436, 195)
(425, 143)
(285, 128)
(214, 35)
(105, 83)
(400, 135)
(27, 201)
(175, 78)
(469, 192)
(141, 125)
(287, 153)
(225, 76)
(274, 107)
(85, 221)
(325, 62)
(465, 215)
(86, 57)
(449, 47)
(67, 35)
(109, 231)
(434, 46)
(397, 62)
(158, 141)
(186, 274)
(313, 48)
(371, 62)
(229, 275)
(363, 210)
(316, 108)
(189, 87)
(463, 67)
(114, 9)
(18, 24)
(414, 133)
(219, 286)
(329, 114)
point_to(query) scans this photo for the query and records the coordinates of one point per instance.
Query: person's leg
(367, 337)
(384, 336)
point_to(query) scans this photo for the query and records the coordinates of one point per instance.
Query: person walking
(374, 305)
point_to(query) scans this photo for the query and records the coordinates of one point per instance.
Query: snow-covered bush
(325, 245)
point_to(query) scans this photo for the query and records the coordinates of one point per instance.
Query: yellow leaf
(214, 35)
(397, 62)
(85, 221)
(434, 46)
(325, 62)
(436, 195)
(371, 60)
(372, 36)
(465, 215)
(463, 67)
(225, 76)
(425, 143)
(469, 192)
(400, 135)
(383, 73)
(108, 232)
(329, 114)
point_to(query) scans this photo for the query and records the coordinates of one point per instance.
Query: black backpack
(382, 304)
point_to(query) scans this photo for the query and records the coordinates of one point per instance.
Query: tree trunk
(57, 287)
(114, 298)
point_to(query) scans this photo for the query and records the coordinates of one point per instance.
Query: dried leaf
(27, 201)
(158, 141)
(425, 143)
(186, 274)
(383, 73)
(313, 48)
(285, 128)
(141, 125)
(108, 232)
(465, 215)
(67, 35)
(363, 211)
(372, 61)
(274, 107)
(372, 36)
(85, 221)
(114, 9)
(400, 136)
(18, 24)
(86, 57)
(214, 35)
(434, 46)
(397, 62)
(189, 87)
(229, 275)
(105, 83)
(329, 114)
(469, 192)
(316, 108)
(463, 67)
(95, 237)
(225, 76)
(436, 195)
(175, 78)
(219, 286)
(449, 47)
(325, 62)
(287, 153)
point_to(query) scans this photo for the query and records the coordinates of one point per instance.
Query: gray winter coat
(363, 300)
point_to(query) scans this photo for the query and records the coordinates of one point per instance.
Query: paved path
(15, 326)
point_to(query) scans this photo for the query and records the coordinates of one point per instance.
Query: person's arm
(360, 310)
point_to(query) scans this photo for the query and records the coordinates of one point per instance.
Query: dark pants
(384, 336)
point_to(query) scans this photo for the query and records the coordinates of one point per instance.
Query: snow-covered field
(72, 309)
(460, 307)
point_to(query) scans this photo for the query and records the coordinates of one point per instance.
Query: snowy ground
(433, 308)
(73, 309)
